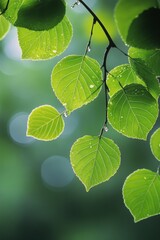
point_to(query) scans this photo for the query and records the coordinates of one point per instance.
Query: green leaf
(150, 57)
(124, 17)
(36, 15)
(37, 45)
(4, 27)
(133, 111)
(45, 123)
(94, 160)
(121, 76)
(76, 80)
(12, 10)
(144, 32)
(155, 143)
(141, 193)
(147, 75)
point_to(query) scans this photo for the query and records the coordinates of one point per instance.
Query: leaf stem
(100, 23)
(88, 48)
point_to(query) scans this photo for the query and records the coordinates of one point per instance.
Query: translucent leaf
(133, 111)
(12, 10)
(94, 160)
(4, 27)
(34, 14)
(141, 193)
(76, 80)
(126, 11)
(150, 57)
(37, 45)
(144, 32)
(121, 76)
(155, 143)
(147, 75)
(45, 123)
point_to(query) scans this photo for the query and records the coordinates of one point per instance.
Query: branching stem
(100, 23)
(88, 48)
(104, 64)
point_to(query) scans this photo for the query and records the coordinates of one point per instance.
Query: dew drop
(65, 114)
(159, 145)
(145, 178)
(105, 128)
(54, 51)
(121, 116)
(88, 49)
(76, 3)
(91, 86)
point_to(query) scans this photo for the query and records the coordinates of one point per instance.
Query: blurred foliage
(29, 207)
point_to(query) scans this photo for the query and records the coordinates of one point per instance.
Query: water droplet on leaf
(105, 128)
(91, 86)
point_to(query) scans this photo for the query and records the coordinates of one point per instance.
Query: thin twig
(105, 72)
(90, 38)
(100, 23)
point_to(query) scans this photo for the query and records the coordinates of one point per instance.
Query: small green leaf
(150, 57)
(155, 143)
(133, 111)
(45, 123)
(37, 45)
(4, 27)
(144, 32)
(121, 76)
(124, 17)
(141, 193)
(94, 160)
(76, 80)
(38, 15)
(147, 75)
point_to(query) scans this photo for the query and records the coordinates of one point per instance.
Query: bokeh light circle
(56, 171)
(18, 127)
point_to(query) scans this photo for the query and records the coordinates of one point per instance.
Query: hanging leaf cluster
(131, 90)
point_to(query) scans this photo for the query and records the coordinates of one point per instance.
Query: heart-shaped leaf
(45, 123)
(37, 45)
(141, 193)
(94, 160)
(133, 111)
(76, 81)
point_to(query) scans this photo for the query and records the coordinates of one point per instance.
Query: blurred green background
(40, 198)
